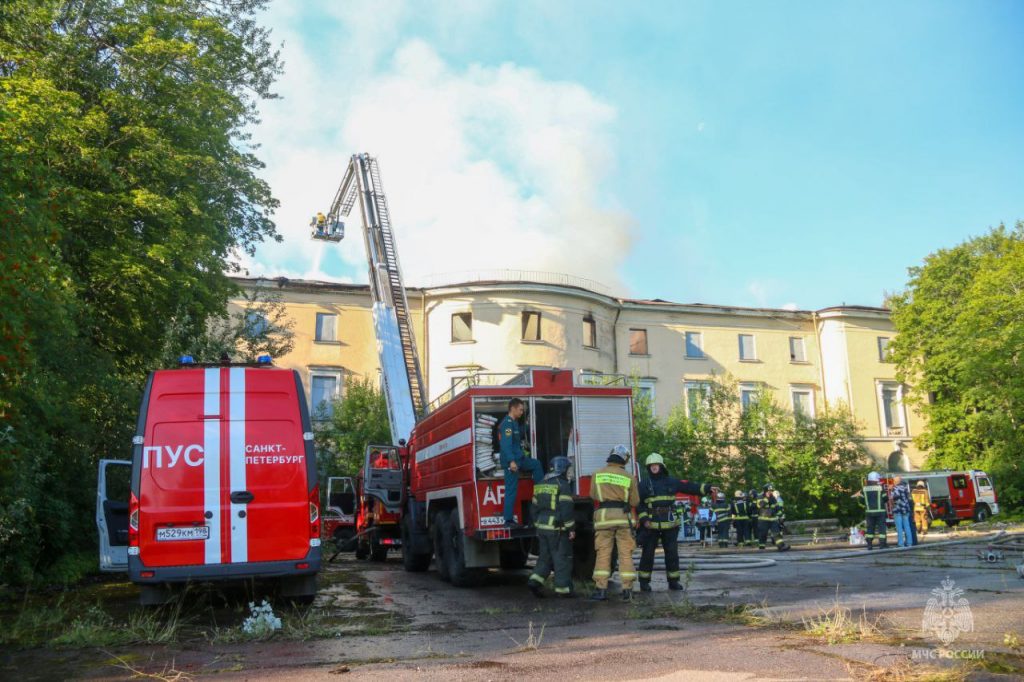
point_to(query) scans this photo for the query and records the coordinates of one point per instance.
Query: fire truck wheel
(455, 550)
(438, 531)
(344, 539)
(981, 513)
(583, 555)
(513, 556)
(362, 549)
(414, 563)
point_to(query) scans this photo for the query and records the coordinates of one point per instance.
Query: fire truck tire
(378, 552)
(344, 539)
(981, 513)
(438, 531)
(583, 555)
(455, 555)
(362, 549)
(512, 559)
(952, 522)
(413, 563)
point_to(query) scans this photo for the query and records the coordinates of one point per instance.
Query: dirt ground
(816, 613)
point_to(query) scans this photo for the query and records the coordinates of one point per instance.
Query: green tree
(959, 347)
(129, 182)
(360, 417)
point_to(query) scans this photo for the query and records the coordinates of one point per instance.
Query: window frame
(257, 323)
(317, 328)
(701, 355)
(336, 375)
(525, 322)
(794, 389)
(904, 423)
(589, 319)
(649, 386)
(748, 387)
(753, 347)
(693, 386)
(883, 355)
(461, 314)
(647, 343)
(803, 350)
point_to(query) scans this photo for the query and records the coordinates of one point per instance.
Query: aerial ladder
(381, 481)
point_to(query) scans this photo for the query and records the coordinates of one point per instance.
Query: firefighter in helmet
(658, 520)
(723, 518)
(752, 496)
(615, 491)
(554, 520)
(872, 496)
(741, 519)
(768, 511)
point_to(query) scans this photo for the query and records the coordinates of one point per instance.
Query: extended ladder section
(396, 347)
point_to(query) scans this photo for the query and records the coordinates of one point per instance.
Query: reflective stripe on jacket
(739, 510)
(613, 484)
(658, 498)
(874, 498)
(553, 504)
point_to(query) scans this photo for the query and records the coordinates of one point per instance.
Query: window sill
(533, 342)
(695, 357)
(639, 355)
(799, 362)
(753, 360)
(463, 343)
(591, 348)
(326, 343)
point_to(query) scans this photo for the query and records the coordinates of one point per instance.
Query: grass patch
(837, 625)
(533, 640)
(32, 625)
(95, 628)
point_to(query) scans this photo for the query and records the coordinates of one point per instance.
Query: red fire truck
(955, 495)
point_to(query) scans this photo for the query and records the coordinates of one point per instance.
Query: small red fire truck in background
(955, 495)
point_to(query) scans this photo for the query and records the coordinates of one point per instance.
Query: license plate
(183, 533)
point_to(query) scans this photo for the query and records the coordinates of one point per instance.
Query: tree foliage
(129, 184)
(816, 464)
(359, 418)
(960, 348)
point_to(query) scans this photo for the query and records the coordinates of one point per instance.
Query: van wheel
(981, 513)
(378, 552)
(155, 595)
(300, 589)
(438, 532)
(411, 561)
(456, 555)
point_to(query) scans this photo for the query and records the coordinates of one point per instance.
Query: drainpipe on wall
(821, 359)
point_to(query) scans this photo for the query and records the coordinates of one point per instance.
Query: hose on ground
(860, 553)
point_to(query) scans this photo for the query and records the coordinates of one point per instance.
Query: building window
(256, 324)
(803, 401)
(797, 352)
(323, 391)
(698, 398)
(589, 332)
(644, 389)
(694, 345)
(748, 395)
(883, 349)
(747, 349)
(326, 327)
(531, 326)
(891, 411)
(462, 327)
(638, 342)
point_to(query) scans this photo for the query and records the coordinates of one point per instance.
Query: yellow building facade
(808, 360)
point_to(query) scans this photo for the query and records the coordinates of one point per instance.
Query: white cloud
(790, 306)
(485, 167)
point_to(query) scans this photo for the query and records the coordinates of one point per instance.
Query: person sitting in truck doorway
(513, 461)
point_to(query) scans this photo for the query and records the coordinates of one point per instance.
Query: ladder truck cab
(455, 494)
(381, 482)
(339, 519)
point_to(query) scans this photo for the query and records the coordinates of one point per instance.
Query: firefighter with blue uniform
(555, 523)
(769, 509)
(741, 520)
(513, 460)
(658, 519)
(872, 496)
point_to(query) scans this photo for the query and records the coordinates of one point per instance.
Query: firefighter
(768, 511)
(553, 518)
(872, 496)
(704, 521)
(921, 501)
(741, 520)
(658, 520)
(513, 461)
(617, 496)
(321, 223)
(752, 510)
(723, 518)
(780, 514)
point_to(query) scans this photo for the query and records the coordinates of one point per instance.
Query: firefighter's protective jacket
(920, 498)
(616, 493)
(768, 508)
(552, 504)
(739, 510)
(658, 498)
(723, 511)
(873, 498)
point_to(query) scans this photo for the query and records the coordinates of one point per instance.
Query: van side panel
(274, 468)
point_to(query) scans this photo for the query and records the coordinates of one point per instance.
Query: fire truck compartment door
(601, 424)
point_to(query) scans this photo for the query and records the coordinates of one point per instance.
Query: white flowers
(262, 622)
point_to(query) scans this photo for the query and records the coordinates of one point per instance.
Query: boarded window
(326, 326)
(589, 332)
(462, 327)
(638, 342)
(747, 347)
(796, 349)
(531, 326)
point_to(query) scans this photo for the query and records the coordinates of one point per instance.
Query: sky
(771, 154)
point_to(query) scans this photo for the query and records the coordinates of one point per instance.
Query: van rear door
(112, 490)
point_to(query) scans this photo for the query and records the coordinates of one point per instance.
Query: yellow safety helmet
(654, 458)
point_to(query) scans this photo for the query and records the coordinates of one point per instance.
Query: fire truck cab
(456, 489)
(957, 495)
